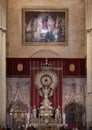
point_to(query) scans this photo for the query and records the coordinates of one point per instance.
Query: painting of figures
(44, 26)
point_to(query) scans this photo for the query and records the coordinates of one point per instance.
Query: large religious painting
(44, 27)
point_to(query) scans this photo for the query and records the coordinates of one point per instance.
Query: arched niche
(74, 112)
(45, 54)
(18, 113)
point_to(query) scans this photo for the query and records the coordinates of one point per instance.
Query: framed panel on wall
(45, 26)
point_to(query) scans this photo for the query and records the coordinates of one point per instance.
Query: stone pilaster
(88, 21)
(3, 62)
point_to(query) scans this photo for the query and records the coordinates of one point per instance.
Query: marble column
(3, 62)
(88, 32)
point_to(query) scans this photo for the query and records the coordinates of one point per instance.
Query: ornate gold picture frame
(45, 26)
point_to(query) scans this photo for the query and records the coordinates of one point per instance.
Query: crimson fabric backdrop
(35, 98)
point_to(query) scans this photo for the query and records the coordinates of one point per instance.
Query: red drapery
(35, 98)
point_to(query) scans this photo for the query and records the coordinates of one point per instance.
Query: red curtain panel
(35, 98)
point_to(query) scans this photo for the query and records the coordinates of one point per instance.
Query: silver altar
(46, 81)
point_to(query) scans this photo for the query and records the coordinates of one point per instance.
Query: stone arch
(17, 105)
(18, 111)
(45, 54)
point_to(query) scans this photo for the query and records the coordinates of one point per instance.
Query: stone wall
(76, 41)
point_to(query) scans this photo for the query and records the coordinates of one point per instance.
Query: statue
(34, 112)
(46, 108)
(46, 102)
(58, 113)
